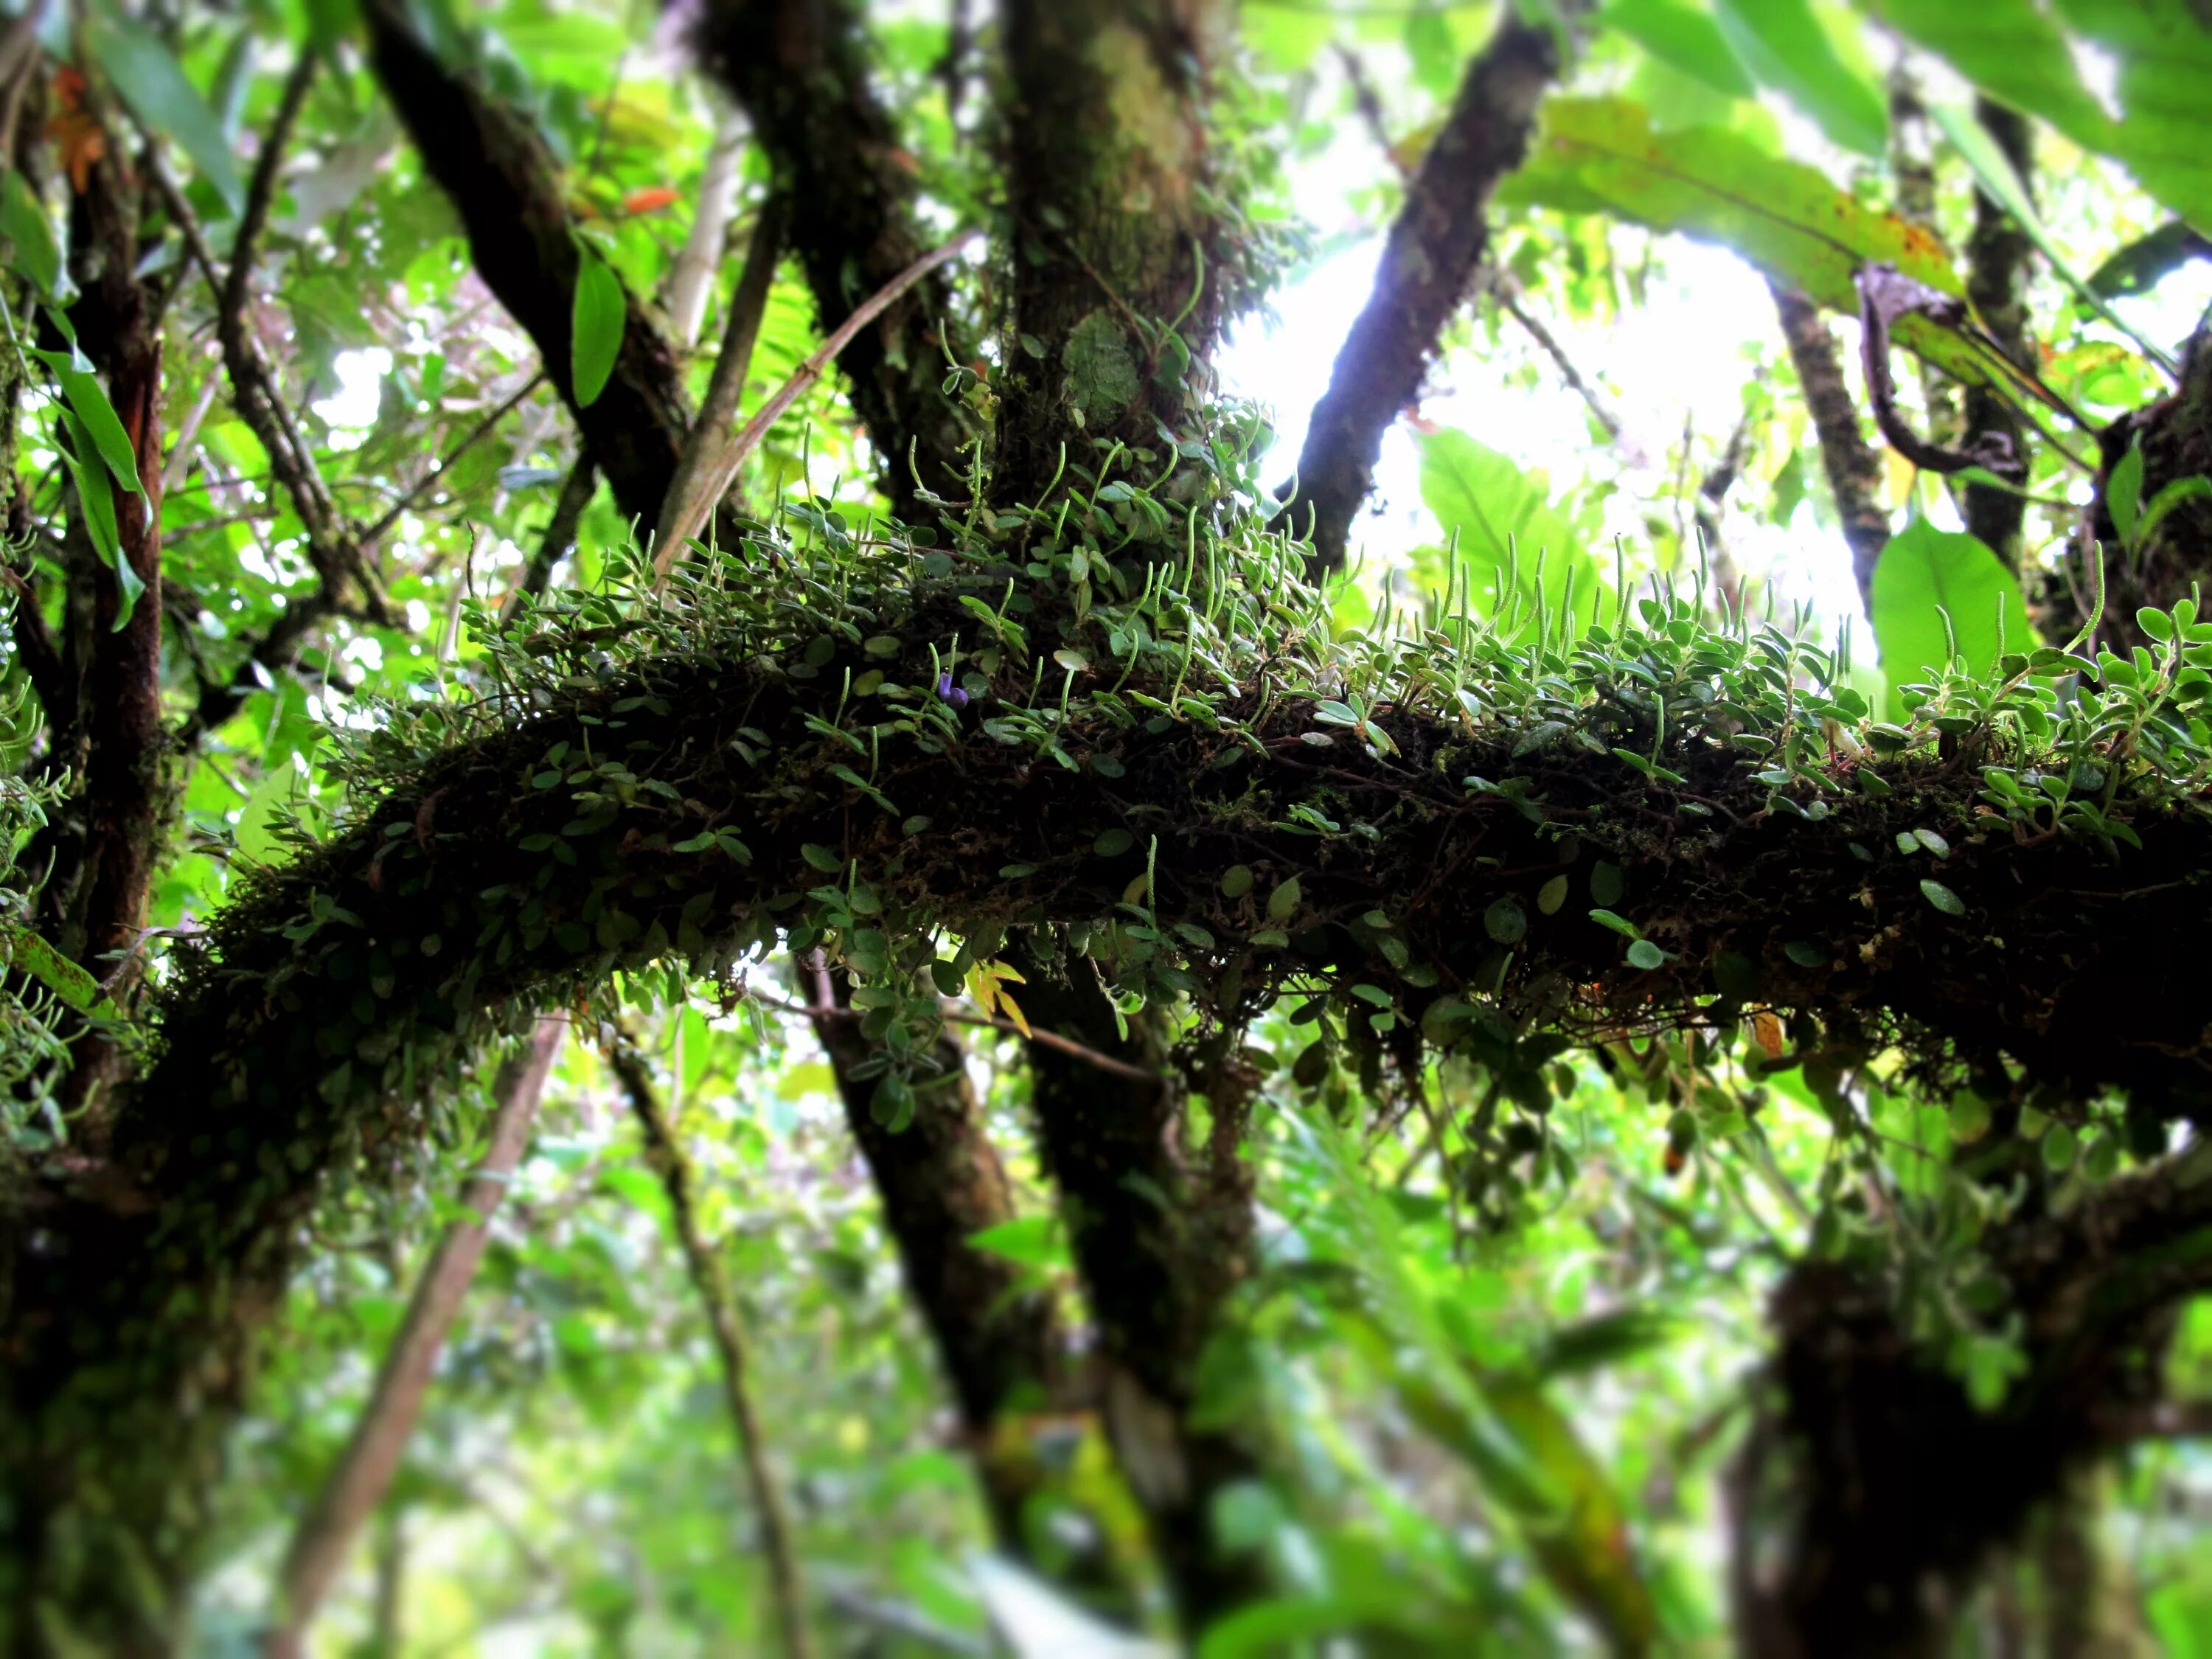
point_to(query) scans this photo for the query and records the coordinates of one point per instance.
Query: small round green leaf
(1236, 881)
(2059, 1144)
(1506, 922)
(1552, 894)
(1806, 954)
(1646, 955)
(1283, 902)
(1113, 843)
(1943, 898)
(1608, 885)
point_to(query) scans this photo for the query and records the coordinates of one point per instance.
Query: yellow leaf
(1766, 1031)
(1014, 1012)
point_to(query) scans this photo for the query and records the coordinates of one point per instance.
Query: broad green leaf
(1684, 38)
(600, 312)
(23, 222)
(1719, 184)
(1034, 1241)
(1495, 508)
(255, 835)
(101, 424)
(2012, 50)
(2124, 492)
(1923, 568)
(1783, 44)
(153, 84)
(2164, 53)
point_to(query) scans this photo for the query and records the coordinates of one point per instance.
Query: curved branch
(483, 886)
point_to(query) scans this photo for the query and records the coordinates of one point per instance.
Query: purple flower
(950, 693)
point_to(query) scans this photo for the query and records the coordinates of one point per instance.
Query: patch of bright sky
(352, 408)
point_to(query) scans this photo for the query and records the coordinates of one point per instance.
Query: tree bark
(1122, 270)
(506, 186)
(1877, 1493)
(665, 1152)
(941, 1181)
(798, 69)
(1160, 1246)
(1436, 246)
(1998, 255)
(1854, 469)
(1119, 255)
(353, 1489)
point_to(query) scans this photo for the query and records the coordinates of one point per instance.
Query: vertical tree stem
(666, 1153)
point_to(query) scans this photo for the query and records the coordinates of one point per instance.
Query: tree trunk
(797, 69)
(1159, 1246)
(1998, 255)
(1853, 469)
(1875, 1494)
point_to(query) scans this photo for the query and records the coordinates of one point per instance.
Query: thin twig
(688, 503)
(1105, 1062)
(666, 1153)
(445, 463)
(332, 546)
(726, 467)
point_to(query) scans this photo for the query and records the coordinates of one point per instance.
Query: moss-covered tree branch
(1453, 847)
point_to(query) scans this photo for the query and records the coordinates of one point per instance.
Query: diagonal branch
(719, 462)
(693, 491)
(332, 548)
(358, 1481)
(506, 186)
(1435, 248)
(665, 1152)
(1854, 469)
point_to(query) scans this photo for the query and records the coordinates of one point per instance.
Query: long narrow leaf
(153, 84)
(1994, 172)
